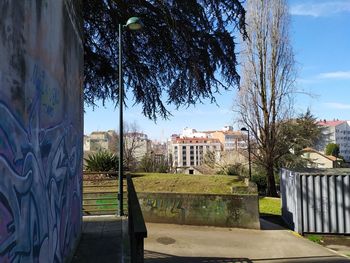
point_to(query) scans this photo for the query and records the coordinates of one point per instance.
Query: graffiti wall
(40, 130)
(236, 210)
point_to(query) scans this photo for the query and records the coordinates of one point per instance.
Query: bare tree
(264, 101)
(136, 145)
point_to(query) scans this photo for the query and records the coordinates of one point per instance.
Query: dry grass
(182, 183)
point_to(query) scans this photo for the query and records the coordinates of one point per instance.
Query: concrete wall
(41, 130)
(201, 209)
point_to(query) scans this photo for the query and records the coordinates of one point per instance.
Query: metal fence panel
(347, 203)
(316, 200)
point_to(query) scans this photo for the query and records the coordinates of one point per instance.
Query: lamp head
(134, 23)
(244, 129)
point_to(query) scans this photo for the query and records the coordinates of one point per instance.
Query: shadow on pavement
(272, 223)
(315, 259)
(155, 257)
(100, 242)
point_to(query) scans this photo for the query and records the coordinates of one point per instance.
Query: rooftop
(330, 123)
(330, 157)
(195, 140)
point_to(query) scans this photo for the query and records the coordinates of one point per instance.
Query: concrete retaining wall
(201, 209)
(41, 130)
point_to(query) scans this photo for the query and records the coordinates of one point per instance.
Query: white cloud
(320, 9)
(335, 75)
(338, 106)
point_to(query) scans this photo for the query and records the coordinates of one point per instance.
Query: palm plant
(102, 161)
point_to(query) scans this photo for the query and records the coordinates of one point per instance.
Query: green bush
(332, 149)
(261, 183)
(148, 164)
(102, 161)
(234, 169)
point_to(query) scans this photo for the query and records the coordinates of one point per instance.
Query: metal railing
(136, 224)
(100, 195)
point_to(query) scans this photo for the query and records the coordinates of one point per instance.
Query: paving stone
(101, 241)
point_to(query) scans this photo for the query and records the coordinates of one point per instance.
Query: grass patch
(183, 183)
(315, 238)
(269, 206)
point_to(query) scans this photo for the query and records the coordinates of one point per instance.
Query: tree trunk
(271, 184)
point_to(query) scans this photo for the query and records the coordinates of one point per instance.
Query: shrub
(261, 183)
(234, 169)
(332, 149)
(102, 161)
(148, 164)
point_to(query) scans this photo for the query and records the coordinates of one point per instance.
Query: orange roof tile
(329, 123)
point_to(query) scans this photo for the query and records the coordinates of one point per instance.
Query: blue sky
(320, 35)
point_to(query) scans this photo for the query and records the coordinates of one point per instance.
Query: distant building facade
(189, 149)
(230, 140)
(159, 152)
(138, 143)
(319, 160)
(335, 132)
(101, 141)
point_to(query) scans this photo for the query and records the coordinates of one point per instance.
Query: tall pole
(121, 145)
(249, 160)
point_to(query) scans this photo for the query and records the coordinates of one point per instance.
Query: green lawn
(270, 206)
(182, 183)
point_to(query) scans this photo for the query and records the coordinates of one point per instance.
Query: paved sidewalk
(101, 240)
(187, 244)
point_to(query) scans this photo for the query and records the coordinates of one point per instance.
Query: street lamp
(133, 23)
(249, 160)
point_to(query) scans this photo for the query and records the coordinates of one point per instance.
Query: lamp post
(249, 160)
(133, 23)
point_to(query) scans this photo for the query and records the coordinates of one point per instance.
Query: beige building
(230, 140)
(101, 141)
(319, 160)
(137, 144)
(189, 152)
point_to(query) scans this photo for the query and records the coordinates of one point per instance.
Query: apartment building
(159, 152)
(190, 151)
(335, 132)
(100, 141)
(230, 140)
(137, 144)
